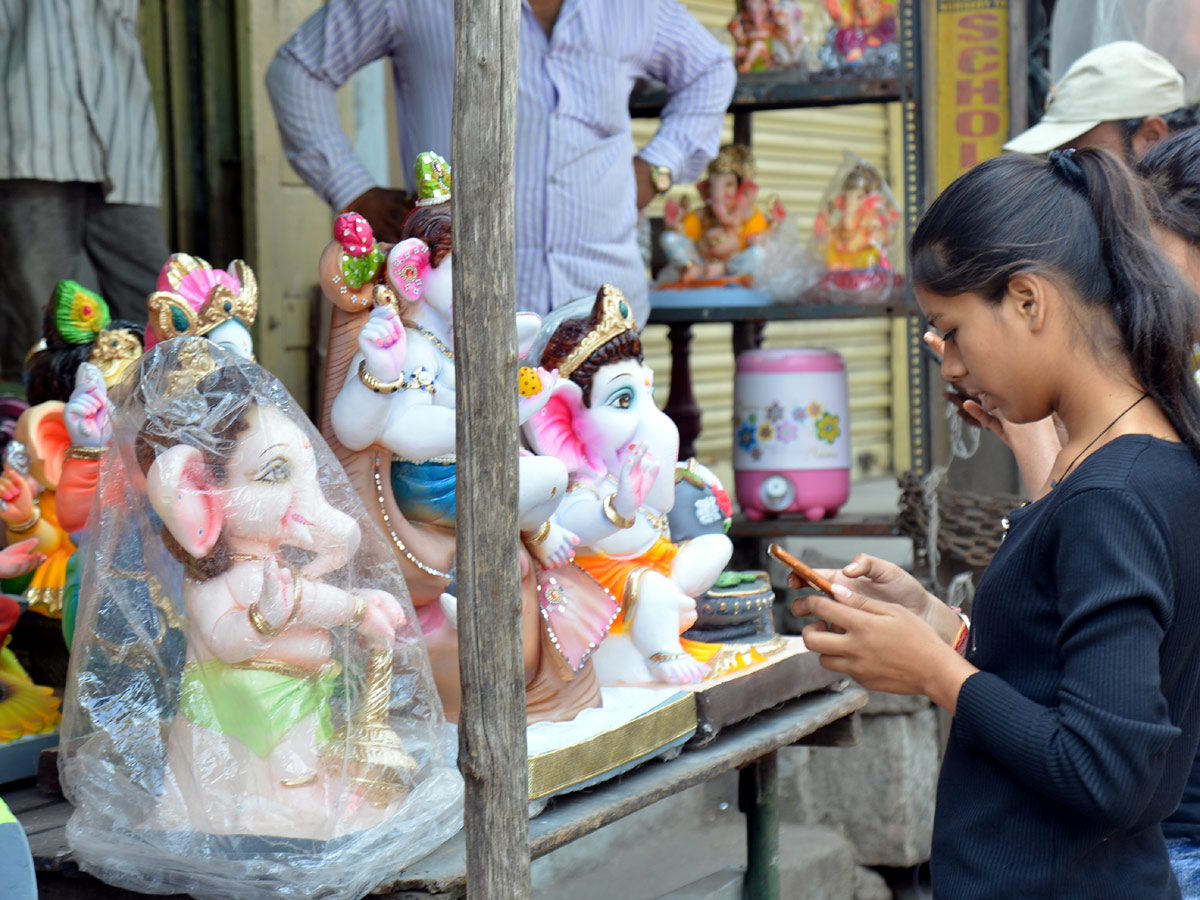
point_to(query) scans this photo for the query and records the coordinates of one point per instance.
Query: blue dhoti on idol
(424, 491)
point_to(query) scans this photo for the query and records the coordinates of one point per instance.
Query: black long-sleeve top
(1074, 741)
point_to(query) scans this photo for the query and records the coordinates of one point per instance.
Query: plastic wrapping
(768, 34)
(856, 235)
(1170, 28)
(862, 37)
(261, 721)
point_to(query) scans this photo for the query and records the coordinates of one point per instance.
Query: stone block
(724, 885)
(814, 864)
(881, 703)
(879, 794)
(870, 885)
(671, 843)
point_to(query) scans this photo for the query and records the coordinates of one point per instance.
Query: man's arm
(323, 54)
(699, 75)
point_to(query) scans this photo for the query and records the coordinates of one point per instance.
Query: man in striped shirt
(80, 166)
(579, 186)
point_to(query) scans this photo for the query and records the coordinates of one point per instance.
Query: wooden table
(827, 718)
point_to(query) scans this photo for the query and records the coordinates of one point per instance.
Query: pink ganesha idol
(303, 663)
(621, 452)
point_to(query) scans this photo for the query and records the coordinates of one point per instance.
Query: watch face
(660, 177)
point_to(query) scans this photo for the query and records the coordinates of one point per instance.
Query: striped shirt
(576, 198)
(75, 102)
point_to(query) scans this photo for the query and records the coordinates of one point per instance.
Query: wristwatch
(660, 178)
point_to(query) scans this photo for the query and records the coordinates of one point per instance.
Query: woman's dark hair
(626, 345)
(432, 225)
(1080, 219)
(1176, 119)
(1171, 168)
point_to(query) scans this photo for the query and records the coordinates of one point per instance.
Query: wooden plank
(736, 698)
(55, 886)
(795, 525)
(45, 818)
(672, 306)
(50, 850)
(575, 815)
(757, 91)
(492, 748)
(27, 798)
(845, 732)
(443, 872)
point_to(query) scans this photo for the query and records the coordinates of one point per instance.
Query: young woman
(1074, 727)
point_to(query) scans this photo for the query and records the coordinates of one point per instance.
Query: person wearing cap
(1121, 97)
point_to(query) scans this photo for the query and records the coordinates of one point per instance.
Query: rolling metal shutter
(797, 151)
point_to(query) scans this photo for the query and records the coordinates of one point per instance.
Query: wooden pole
(492, 755)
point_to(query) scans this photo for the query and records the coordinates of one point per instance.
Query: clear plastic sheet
(861, 37)
(855, 236)
(243, 726)
(1170, 28)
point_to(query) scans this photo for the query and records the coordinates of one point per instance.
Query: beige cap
(1117, 81)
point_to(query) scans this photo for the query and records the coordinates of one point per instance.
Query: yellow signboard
(971, 37)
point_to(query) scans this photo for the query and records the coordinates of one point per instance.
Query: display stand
(748, 310)
(822, 718)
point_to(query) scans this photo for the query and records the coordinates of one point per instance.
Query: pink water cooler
(791, 439)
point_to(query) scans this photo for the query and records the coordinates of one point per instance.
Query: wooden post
(681, 403)
(492, 755)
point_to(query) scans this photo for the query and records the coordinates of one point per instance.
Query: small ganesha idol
(863, 33)
(303, 709)
(621, 453)
(768, 34)
(722, 242)
(855, 229)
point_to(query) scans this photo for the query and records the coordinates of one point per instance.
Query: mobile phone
(807, 574)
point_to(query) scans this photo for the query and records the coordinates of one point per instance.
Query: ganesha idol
(722, 242)
(78, 334)
(191, 298)
(302, 709)
(389, 414)
(621, 452)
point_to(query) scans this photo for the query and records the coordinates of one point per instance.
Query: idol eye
(622, 399)
(950, 335)
(276, 471)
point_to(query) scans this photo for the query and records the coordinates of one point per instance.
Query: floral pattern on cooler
(751, 433)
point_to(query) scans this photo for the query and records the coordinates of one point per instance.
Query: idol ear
(407, 266)
(41, 428)
(528, 326)
(748, 191)
(554, 430)
(181, 491)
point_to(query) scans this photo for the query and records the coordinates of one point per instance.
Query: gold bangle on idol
(379, 387)
(29, 524)
(538, 536)
(615, 517)
(260, 623)
(360, 611)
